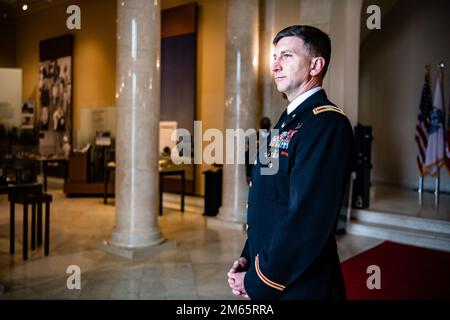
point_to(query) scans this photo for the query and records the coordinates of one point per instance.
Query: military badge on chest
(282, 140)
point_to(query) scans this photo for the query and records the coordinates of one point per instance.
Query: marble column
(343, 74)
(241, 98)
(267, 85)
(137, 118)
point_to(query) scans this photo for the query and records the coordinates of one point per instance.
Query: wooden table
(49, 164)
(165, 172)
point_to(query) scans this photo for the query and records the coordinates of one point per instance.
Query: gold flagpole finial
(441, 66)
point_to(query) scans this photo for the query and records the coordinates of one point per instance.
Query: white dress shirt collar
(299, 100)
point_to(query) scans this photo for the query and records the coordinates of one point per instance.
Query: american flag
(423, 124)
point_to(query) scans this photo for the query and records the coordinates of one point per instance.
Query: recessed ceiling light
(24, 7)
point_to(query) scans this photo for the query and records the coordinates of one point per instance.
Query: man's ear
(317, 65)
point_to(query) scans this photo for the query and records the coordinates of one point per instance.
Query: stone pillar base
(137, 253)
(236, 213)
(144, 238)
(214, 222)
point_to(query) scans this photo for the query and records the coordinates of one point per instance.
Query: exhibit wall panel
(10, 97)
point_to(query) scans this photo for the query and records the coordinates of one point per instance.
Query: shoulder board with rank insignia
(321, 109)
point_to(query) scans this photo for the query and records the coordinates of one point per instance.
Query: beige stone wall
(94, 68)
(393, 61)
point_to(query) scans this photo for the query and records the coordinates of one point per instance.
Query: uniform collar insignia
(326, 108)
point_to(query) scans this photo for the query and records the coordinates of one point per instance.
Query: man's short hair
(316, 41)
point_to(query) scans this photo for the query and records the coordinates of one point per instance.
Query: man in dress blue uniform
(291, 250)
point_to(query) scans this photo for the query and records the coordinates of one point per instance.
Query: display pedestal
(213, 192)
(79, 180)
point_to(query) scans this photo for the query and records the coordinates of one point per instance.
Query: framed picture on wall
(27, 115)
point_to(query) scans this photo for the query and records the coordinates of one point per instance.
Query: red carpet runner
(407, 272)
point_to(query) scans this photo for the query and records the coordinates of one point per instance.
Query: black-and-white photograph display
(55, 88)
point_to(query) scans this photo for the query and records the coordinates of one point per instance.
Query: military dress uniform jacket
(292, 215)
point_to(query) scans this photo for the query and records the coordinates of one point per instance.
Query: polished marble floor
(196, 269)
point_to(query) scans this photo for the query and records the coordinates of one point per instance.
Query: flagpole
(441, 66)
(421, 175)
(420, 190)
(436, 188)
